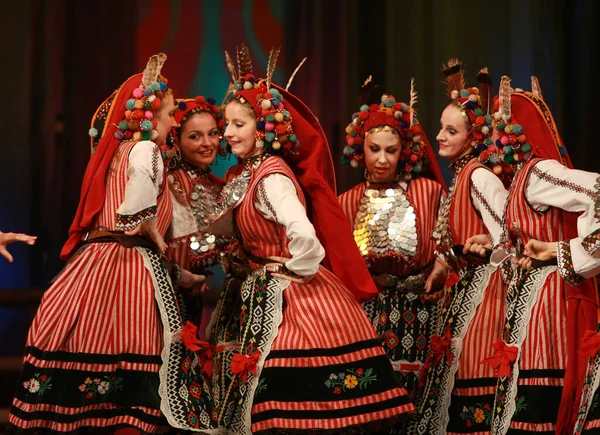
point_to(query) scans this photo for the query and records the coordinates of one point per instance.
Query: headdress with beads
(399, 119)
(138, 121)
(184, 109)
(106, 136)
(473, 102)
(274, 123)
(525, 127)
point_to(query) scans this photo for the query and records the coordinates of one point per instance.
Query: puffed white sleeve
(488, 196)
(277, 200)
(552, 184)
(145, 171)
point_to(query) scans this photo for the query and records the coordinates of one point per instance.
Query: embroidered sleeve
(145, 172)
(489, 198)
(278, 201)
(553, 185)
(591, 243)
(565, 263)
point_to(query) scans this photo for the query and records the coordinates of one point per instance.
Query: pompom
(145, 135)
(148, 114)
(292, 138)
(269, 126)
(354, 163)
(138, 104)
(454, 94)
(526, 148)
(148, 92)
(138, 93)
(163, 86)
(260, 125)
(260, 144)
(497, 169)
(485, 130)
(497, 116)
(517, 129)
(276, 145)
(137, 135)
(155, 86)
(269, 136)
(156, 104)
(417, 168)
(478, 112)
(119, 135)
(275, 102)
(501, 126)
(265, 104)
(153, 134)
(464, 93)
(130, 105)
(348, 151)
(484, 156)
(133, 125)
(146, 125)
(481, 147)
(364, 108)
(248, 85)
(94, 133)
(504, 140)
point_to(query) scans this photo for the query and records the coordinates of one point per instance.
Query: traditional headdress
(143, 90)
(293, 123)
(184, 109)
(137, 121)
(417, 157)
(475, 104)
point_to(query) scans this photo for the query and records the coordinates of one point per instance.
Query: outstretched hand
(7, 238)
(150, 229)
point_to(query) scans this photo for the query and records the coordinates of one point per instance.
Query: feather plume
(230, 67)
(535, 87)
(413, 100)
(454, 72)
(271, 64)
(243, 60)
(504, 95)
(486, 90)
(289, 83)
(153, 68)
(365, 91)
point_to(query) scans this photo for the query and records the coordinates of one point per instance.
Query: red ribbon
(189, 335)
(503, 358)
(591, 343)
(440, 346)
(243, 364)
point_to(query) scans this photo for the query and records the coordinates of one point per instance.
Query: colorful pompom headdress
(525, 127)
(137, 121)
(474, 102)
(399, 119)
(274, 123)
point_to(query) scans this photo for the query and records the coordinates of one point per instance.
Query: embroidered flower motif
(478, 415)
(38, 384)
(103, 387)
(34, 386)
(342, 382)
(91, 388)
(350, 381)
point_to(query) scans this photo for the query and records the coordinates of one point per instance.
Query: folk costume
(93, 352)
(458, 387)
(300, 357)
(551, 307)
(393, 223)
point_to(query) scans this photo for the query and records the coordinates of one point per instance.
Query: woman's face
(164, 119)
(454, 137)
(199, 140)
(382, 152)
(241, 129)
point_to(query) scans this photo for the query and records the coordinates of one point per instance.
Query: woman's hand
(273, 269)
(149, 228)
(7, 238)
(538, 250)
(196, 283)
(478, 245)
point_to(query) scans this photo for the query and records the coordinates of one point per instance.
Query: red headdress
(127, 114)
(526, 114)
(417, 158)
(298, 137)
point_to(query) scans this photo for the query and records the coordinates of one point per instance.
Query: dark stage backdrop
(61, 58)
